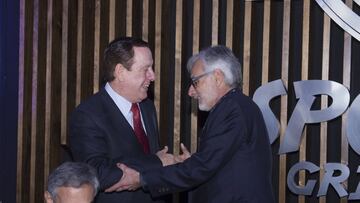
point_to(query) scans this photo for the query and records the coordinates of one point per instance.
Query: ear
(119, 72)
(219, 76)
(47, 197)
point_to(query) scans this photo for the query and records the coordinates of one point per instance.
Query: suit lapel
(124, 129)
(116, 120)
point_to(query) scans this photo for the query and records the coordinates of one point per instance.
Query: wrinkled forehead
(83, 194)
(197, 68)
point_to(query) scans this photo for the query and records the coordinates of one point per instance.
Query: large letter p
(305, 91)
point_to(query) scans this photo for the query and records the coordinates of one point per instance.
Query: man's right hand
(166, 158)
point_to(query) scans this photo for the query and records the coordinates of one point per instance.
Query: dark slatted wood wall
(60, 64)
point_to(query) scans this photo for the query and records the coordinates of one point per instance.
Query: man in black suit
(233, 159)
(119, 122)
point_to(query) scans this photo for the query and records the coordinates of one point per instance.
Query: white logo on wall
(306, 92)
(302, 114)
(342, 15)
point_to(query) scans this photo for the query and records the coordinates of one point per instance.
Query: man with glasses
(233, 161)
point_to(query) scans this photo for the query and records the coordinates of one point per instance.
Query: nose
(150, 74)
(192, 91)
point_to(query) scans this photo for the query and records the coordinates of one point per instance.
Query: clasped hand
(130, 179)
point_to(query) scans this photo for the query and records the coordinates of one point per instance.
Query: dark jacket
(233, 160)
(101, 136)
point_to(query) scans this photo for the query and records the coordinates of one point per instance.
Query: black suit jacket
(101, 136)
(233, 160)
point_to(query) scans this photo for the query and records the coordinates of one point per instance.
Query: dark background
(9, 43)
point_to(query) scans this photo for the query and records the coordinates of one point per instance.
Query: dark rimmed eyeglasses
(195, 79)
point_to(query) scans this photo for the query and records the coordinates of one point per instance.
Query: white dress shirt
(123, 105)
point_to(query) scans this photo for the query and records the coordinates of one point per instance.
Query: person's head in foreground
(72, 182)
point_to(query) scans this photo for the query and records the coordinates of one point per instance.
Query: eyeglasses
(195, 80)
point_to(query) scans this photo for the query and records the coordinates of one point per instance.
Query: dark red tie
(138, 128)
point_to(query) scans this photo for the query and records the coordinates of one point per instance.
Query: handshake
(130, 179)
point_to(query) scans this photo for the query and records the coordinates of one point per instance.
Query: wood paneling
(304, 76)
(284, 99)
(60, 64)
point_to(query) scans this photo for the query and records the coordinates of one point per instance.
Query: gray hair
(72, 174)
(219, 57)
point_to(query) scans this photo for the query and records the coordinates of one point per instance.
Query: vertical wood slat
(346, 83)
(266, 42)
(87, 49)
(229, 23)
(20, 127)
(112, 20)
(26, 93)
(195, 49)
(34, 84)
(305, 40)
(324, 98)
(79, 51)
(48, 79)
(284, 103)
(178, 78)
(129, 17)
(247, 38)
(64, 66)
(304, 76)
(215, 22)
(97, 45)
(157, 66)
(145, 20)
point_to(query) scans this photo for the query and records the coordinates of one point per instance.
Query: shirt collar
(123, 104)
(231, 91)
